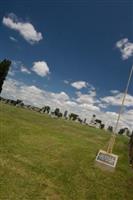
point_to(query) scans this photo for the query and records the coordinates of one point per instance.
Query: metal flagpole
(112, 140)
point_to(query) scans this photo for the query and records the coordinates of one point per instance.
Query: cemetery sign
(106, 159)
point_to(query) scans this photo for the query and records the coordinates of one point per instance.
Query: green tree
(73, 116)
(65, 114)
(57, 111)
(4, 67)
(48, 109)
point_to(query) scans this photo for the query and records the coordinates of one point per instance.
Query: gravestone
(106, 160)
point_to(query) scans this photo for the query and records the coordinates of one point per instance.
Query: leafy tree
(123, 130)
(57, 111)
(84, 121)
(19, 101)
(110, 128)
(73, 116)
(65, 114)
(98, 121)
(48, 109)
(80, 120)
(60, 114)
(102, 126)
(45, 109)
(4, 68)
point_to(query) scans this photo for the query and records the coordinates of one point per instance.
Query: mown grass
(53, 159)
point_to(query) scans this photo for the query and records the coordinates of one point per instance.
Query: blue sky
(69, 48)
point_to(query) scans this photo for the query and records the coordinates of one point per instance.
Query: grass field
(53, 159)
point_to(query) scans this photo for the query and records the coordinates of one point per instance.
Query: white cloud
(89, 98)
(114, 91)
(117, 100)
(26, 29)
(66, 82)
(14, 67)
(60, 96)
(13, 39)
(41, 68)
(92, 93)
(125, 47)
(79, 84)
(17, 66)
(85, 99)
(25, 70)
(71, 103)
(11, 73)
(102, 105)
(89, 107)
(32, 95)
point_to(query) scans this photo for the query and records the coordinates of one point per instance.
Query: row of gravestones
(46, 109)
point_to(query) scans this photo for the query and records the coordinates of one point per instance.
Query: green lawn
(53, 159)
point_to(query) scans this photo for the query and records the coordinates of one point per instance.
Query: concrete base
(104, 167)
